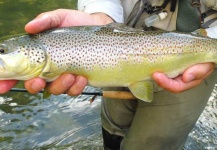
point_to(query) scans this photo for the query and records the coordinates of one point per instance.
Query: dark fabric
(111, 142)
(137, 12)
(189, 17)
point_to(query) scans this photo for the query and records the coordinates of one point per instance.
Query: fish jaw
(17, 68)
(21, 58)
(11, 67)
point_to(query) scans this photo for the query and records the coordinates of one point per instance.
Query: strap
(207, 14)
(208, 23)
(173, 4)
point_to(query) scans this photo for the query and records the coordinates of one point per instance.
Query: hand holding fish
(67, 83)
(74, 85)
(192, 77)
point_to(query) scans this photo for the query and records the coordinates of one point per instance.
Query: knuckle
(55, 92)
(73, 92)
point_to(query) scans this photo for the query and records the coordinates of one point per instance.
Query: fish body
(108, 56)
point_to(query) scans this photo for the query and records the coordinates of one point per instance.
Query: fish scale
(109, 56)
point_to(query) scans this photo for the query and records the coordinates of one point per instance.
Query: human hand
(191, 77)
(65, 18)
(66, 83)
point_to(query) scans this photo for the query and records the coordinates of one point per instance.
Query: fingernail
(34, 21)
(67, 80)
(190, 77)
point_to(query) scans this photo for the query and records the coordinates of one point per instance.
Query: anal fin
(142, 90)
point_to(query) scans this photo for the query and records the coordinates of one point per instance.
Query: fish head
(21, 58)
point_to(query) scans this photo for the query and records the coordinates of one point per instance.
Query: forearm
(111, 8)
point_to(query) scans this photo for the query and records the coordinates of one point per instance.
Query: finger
(198, 72)
(35, 85)
(174, 85)
(45, 21)
(61, 84)
(6, 85)
(78, 86)
(65, 18)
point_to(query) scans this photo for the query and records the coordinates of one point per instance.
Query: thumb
(198, 72)
(45, 21)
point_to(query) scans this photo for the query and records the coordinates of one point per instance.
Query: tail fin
(200, 32)
(209, 32)
(212, 32)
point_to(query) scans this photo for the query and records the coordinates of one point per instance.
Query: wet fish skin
(109, 56)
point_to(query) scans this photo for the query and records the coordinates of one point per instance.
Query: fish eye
(2, 51)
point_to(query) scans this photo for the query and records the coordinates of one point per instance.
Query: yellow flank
(109, 56)
(128, 72)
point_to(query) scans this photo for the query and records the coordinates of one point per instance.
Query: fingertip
(198, 72)
(37, 25)
(29, 27)
(78, 86)
(61, 84)
(166, 83)
(41, 23)
(35, 85)
(157, 76)
(6, 85)
(82, 81)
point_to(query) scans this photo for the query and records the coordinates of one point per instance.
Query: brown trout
(108, 56)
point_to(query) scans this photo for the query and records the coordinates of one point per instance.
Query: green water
(14, 14)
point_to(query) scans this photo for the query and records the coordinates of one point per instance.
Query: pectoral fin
(142, 90)
(46, 94)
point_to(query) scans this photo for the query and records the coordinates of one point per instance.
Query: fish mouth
(2, 64)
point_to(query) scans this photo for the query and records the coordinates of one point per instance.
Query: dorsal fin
(120, 27)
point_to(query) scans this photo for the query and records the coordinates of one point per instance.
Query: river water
(62, 122)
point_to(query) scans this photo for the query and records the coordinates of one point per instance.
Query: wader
(165, 123)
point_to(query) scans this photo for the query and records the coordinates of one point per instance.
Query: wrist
(101, 18)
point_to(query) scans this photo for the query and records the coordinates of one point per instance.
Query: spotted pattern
(86, 47)
(23, 58)
(107, 55)
(27, 47)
